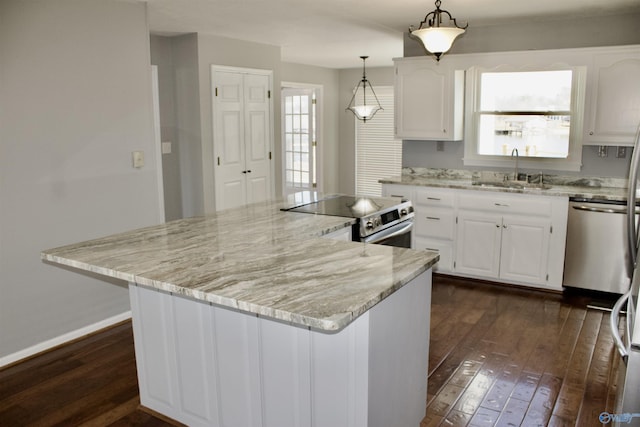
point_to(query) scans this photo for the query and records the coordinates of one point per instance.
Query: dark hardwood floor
(508, 357)
(498, 356)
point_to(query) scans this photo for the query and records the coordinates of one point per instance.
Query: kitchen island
(248, 317)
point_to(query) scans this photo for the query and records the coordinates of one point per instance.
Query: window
(536, 114)
(299, 134)
(378, 153)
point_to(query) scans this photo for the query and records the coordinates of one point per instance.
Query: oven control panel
(380, 220)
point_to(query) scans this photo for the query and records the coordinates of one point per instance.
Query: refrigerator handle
(632, 230)
(613, 324)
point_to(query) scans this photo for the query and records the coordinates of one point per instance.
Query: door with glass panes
(299, 139)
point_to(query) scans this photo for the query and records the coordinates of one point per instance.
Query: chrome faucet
(515, 173)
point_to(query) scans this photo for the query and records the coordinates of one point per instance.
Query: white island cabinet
(271, 325)
(205, 365)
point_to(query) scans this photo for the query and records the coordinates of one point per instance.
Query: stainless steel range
(380, 220)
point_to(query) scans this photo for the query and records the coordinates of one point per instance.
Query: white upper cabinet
(429, 99)
(612, 111)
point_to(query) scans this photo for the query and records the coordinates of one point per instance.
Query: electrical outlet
(166, 147)
(621, 153)
(602, 151)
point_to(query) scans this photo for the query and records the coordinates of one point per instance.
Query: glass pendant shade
(435, 38)
(438, 40)
(364, 102)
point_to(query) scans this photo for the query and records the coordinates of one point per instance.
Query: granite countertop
(597, 188)
(256, 259)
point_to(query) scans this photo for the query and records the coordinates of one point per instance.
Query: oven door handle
(613, 324)
(390, 232)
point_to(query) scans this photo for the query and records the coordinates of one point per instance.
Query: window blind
(378, 153)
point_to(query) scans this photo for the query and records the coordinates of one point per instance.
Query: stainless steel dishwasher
(596, 255)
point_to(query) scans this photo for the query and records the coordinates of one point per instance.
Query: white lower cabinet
(511, 248)
(435, 224)
(504, 237)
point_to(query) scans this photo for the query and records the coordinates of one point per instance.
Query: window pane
(526, 91)
(532, 135)
(288, 123)
(304, 104)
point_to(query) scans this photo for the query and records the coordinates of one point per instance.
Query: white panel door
(257, 137)
(242, 137)
(478, 247)
(228, 136)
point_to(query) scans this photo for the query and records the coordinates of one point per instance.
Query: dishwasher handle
(613, 325)
(599, 210)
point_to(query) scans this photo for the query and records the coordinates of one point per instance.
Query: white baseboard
(70, 336)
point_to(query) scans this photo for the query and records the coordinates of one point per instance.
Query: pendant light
(437, 39)
(368, 108)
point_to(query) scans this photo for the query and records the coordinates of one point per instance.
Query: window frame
(573, 161)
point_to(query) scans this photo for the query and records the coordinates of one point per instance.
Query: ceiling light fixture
(365, 111)
(437, 39)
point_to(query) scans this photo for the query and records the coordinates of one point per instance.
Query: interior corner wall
(162, 57)
(186, 97)
(330, 117)
(75, 101)
(214, 50)
(349, 78)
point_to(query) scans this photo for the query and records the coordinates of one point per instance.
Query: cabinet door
(424, 101)
(478, 244)
(525, 249)
(443, 247)
(613, 109)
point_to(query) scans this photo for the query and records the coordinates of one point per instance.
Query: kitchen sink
(521, 185)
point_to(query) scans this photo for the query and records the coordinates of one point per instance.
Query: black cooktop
(347, 206)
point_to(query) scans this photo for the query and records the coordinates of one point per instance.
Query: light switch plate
(138, 159)
(166, 147)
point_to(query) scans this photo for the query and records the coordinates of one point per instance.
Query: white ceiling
(334, 33)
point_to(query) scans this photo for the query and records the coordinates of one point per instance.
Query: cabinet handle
(504, 225)
(501, 205)
(590, 132)
(433, 218)
(396, 195)
(431, 249)
(497, 225)
(433, 198)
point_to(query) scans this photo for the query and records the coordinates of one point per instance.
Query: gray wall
(527, 35)
(162, 56)
(184, 67)
(75, 101)
(330, 117)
